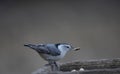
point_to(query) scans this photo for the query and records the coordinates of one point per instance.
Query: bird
(52, 52)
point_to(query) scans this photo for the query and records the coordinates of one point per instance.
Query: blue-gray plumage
(52, 52)
(50, 49)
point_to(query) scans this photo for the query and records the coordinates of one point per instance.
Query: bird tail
(33, 46)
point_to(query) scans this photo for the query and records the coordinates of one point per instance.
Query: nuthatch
(52, 52)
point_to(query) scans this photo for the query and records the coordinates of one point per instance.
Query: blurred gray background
(94, 25)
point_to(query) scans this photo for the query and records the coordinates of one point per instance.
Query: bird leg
(54, 66)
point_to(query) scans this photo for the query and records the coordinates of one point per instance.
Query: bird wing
(50, 49)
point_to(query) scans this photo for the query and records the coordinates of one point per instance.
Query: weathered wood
(103, 66)
(91, 64)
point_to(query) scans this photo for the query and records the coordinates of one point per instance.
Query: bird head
(66, 47)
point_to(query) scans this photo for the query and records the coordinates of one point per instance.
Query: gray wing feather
(49, 49)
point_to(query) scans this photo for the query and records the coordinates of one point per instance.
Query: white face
(64, 47)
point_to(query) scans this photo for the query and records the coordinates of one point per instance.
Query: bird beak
(76, 49)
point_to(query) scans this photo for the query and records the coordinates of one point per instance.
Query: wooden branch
(103, 66)
(91, 64)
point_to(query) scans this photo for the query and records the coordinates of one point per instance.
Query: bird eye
(67, 46)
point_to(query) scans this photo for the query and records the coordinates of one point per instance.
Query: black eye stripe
(67, 46)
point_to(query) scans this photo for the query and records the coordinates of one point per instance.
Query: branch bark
(103, 66)
(91, 64)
